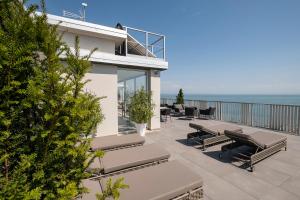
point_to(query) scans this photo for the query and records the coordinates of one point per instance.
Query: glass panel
(129, 81)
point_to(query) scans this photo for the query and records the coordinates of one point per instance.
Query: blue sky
(213, 46)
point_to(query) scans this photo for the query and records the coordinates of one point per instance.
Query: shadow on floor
(191, 143)
(185, 118)
(228, 157)
(202, 118)
(225, 157)
(184, 142)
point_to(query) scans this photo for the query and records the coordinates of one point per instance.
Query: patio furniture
(164, 114)
(207, 113)
(263, 145)
(113, 142)
(170, 180)
(190, 112)
(211, 135)
(178, 109)
(123, 160)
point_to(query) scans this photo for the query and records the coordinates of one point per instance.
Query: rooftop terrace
(277, 177)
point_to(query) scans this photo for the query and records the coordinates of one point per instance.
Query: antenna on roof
(80, 16)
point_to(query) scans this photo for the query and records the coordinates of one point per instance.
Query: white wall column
(154, 86)
(104, 82)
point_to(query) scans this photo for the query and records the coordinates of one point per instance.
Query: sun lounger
(113, 142)
(170, 180)
(211, 134)
(123, 160)
(264, 144)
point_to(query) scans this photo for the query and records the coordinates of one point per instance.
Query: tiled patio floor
(276, 178)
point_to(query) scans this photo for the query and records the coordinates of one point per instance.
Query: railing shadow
(227, 157)
(185, 118)
(224, 157)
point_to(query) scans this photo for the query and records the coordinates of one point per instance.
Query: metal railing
(285, 118)
(154, 44)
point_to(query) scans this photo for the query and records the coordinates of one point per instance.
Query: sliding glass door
(129, 81)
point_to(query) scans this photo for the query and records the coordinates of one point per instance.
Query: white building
(126, 60)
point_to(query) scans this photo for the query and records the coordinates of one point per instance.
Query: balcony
(140, 43)
(122, 46)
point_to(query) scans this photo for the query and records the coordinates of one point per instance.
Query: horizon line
(229, 94)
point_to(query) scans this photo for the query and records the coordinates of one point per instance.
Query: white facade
(104, 72)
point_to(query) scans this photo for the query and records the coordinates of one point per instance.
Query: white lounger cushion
(262, 139)
(127, 158)
(115, 141)
(159, 182)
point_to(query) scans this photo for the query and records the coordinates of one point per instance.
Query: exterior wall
(106, 52)
(104, 80)
(154, 86)
(88, 43)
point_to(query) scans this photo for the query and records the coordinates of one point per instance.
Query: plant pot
(141, 129)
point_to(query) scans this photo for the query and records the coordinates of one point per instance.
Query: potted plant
(141, 109)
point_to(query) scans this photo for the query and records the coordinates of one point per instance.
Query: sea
(253, 98)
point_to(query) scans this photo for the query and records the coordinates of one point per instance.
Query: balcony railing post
(146, 44)
(298, 120)
(164, 52)
(126, 42)
(251, 114)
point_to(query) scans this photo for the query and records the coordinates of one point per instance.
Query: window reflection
(129, 81)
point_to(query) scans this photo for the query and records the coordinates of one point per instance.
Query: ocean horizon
(245, 98)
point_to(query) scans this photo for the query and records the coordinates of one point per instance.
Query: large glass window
(129, 81)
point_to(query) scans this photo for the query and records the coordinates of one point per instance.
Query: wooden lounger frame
(214, 139)
(195, 194)
(252, 158)
(101, 175)
(122, 147)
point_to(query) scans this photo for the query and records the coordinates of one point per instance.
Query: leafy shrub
(141, 106)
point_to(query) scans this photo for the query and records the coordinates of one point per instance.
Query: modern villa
(197, 147)
(126, 60)
(233, 138)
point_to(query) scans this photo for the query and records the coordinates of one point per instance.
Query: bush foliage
(141, 106)
(45, 115)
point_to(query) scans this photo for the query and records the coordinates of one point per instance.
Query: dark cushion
(209, 111)
(196, 126)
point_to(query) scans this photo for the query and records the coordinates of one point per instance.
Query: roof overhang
(127, 61)
(86, 28)
(117, 35)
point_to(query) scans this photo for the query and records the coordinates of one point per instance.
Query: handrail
(140, 30)
(279, 117)
(234, 102)
(159, 38)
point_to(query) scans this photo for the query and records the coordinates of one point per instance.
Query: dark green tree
(45, 115)
(180, 97)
